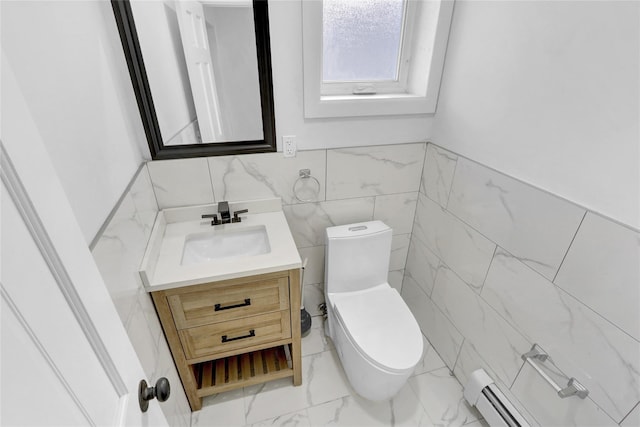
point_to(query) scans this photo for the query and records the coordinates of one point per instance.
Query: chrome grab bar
(573, 388)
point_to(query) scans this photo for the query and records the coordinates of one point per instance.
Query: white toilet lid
(380, 324)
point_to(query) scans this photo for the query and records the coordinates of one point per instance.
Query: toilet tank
(357, 256)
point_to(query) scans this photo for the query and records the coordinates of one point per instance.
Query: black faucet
(236, 218)
(214, 218)
(225, 214)
(223, 210)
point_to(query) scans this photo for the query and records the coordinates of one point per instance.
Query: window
(373, 57)
(364, 46)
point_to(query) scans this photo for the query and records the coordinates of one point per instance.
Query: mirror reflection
(201, 62)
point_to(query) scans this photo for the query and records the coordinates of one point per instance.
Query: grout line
(328, 201)
(153, 189)
(446, 266)
(326, 173)
(369, 146)
(517, 375)
(560, 291)
(432, 348)
(415, 213)
(458, 355)
(486, 274)
(406, 255)
(420, 186)
(434, 201)
(607, 217)
(424, 163)
(375, 195)
(443, 314)
(442, 265)
(478, 295)
(568, 248)
(463, 222)
(213, 193)
(601, 316)
(629, 414)
(453, 177)
(309, 247)
(472, 289)
(439, 267)
(116, 207)
(373, 212)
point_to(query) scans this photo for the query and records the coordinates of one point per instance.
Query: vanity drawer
(227, 302)
(222, 337)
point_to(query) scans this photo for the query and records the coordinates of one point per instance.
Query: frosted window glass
(361, 39)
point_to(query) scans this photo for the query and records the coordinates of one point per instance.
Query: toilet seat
(380, 325)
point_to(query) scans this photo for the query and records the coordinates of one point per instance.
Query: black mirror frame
(138, 73)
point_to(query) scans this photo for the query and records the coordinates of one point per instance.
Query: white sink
(184, 250)
(224, 244)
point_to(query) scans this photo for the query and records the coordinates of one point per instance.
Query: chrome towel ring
(304, 175)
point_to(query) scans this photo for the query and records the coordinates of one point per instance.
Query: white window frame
(416, 94)
(360, 87)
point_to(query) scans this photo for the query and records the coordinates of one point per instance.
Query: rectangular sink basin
(225, 244)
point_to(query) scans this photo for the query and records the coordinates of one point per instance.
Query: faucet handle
(214, 218)
(236, 218)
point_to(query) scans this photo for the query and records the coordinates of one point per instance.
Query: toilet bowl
(376, 336)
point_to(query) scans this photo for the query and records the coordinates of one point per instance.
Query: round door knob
(161, 391)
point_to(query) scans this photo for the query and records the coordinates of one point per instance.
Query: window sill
(368, 105)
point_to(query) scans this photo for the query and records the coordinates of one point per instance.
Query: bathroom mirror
(201, 72)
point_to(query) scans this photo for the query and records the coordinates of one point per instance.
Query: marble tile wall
(488, 265)
(495, 265)
(353, 185)
(118, 251)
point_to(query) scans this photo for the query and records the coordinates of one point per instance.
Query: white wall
(285, 19)
(548, 92)
(69, 63)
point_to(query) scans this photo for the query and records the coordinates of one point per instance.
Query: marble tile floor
(432, 396)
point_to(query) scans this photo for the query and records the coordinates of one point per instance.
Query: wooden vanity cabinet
(233, 333)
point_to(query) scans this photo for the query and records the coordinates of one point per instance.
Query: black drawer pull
(218, 307)
(252, 333)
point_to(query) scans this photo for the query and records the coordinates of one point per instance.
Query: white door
(195, 42)
(66, 358)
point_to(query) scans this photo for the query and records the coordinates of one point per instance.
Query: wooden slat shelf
(206, 363)
(241, 370)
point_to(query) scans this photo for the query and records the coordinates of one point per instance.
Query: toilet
(376, 336)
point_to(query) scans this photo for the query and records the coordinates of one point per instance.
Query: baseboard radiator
(496, 409)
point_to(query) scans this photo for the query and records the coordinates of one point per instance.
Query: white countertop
(161, 267)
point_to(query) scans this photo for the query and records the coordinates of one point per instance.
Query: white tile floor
(431, 397)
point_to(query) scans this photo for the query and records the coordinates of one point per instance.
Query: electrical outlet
(289, 145)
